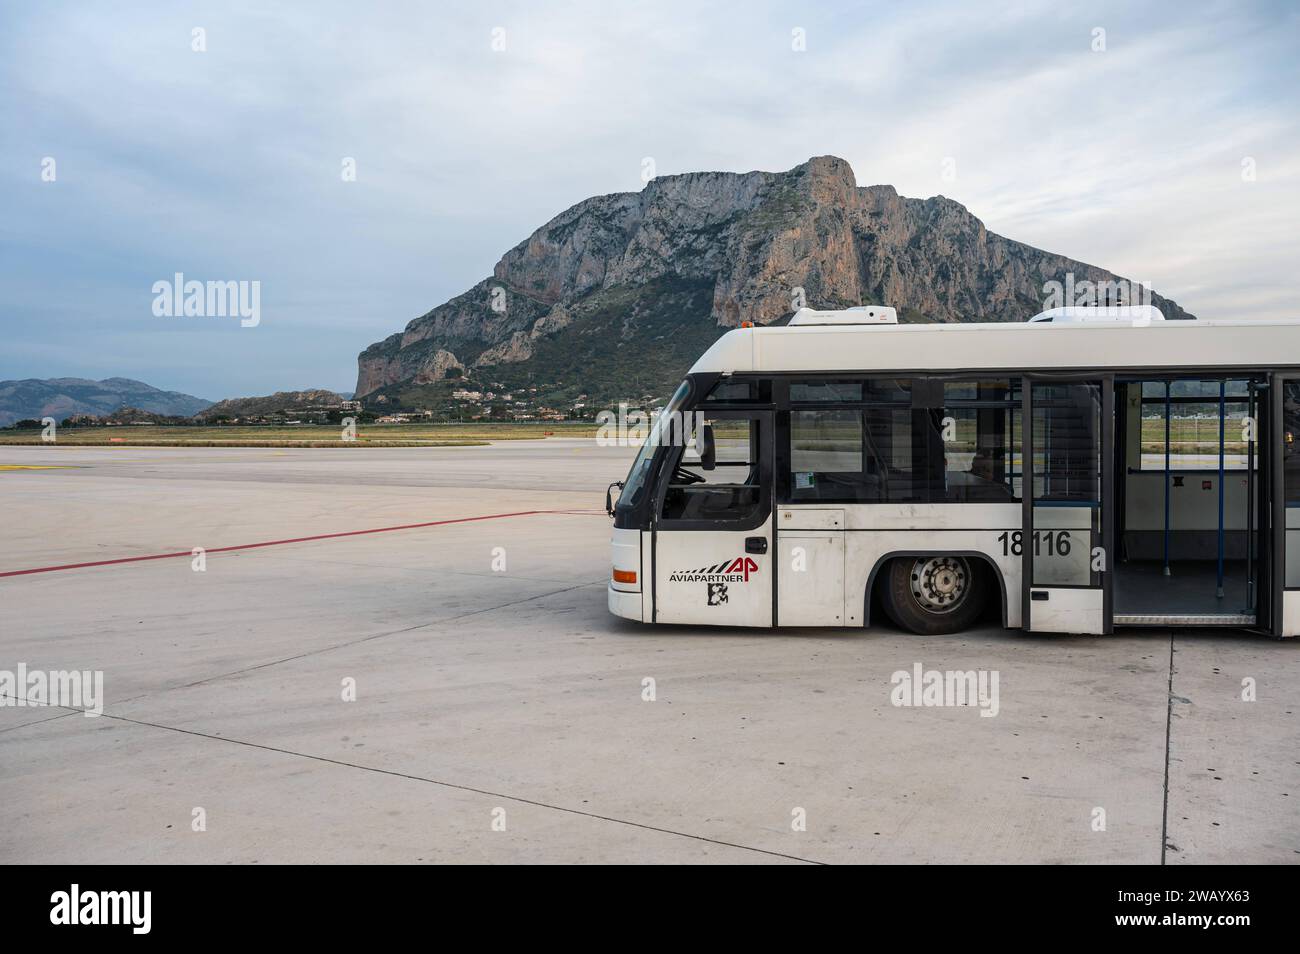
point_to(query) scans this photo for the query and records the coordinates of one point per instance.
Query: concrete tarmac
(499, 713)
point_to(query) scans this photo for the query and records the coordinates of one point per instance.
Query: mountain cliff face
(617, 295)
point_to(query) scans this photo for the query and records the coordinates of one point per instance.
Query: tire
(936, 594)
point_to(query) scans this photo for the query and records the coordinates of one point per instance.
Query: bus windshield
(634, 486)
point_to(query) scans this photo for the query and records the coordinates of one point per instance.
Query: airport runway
(499, 714)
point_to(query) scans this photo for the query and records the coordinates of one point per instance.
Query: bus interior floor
(1190, 589)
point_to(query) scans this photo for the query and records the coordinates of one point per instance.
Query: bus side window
(740, 391)
(827, 457)
(729, 492)
(856, 447)
(923, 440)
(980, 432)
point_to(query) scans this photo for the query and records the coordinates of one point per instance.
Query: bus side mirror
(708, 451)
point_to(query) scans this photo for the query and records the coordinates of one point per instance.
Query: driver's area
(718, 476)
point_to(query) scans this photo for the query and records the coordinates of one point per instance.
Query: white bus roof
(1043, 345)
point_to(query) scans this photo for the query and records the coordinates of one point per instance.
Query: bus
(1070, 474)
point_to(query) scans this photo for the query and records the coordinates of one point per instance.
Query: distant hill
(279, 404)
(125, 415)
(60, 398)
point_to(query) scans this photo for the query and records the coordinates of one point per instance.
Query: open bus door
(1280, 508)
(1067, 458)
(1263, 493)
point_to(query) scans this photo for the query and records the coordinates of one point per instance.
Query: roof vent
(860, 315)
(1073, 314)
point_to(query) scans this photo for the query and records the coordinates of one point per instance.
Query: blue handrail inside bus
(1168, 411)
(1222, 447)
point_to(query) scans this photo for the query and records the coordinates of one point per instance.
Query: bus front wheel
(935, 594)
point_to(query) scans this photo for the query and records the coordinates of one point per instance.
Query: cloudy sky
(1171, 155)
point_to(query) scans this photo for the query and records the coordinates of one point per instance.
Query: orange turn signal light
(625, 576)
(747, 324)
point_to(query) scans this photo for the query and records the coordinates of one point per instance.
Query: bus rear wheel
(935, 594)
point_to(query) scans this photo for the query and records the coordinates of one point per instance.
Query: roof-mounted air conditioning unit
(859, 315)
(1133, 314)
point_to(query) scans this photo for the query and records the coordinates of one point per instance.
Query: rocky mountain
(616, 296)
(279, 404)
(60, 398)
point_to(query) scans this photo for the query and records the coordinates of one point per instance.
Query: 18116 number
(1053, 543)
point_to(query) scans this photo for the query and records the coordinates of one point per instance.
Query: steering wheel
(683, 476)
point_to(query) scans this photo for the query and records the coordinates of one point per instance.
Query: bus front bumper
(626, 605)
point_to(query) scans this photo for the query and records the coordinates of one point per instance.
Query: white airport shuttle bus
(1084, 470)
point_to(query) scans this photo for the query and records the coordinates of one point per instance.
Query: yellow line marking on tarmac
(40, 466)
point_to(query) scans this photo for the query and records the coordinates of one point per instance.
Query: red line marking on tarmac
(277, 543)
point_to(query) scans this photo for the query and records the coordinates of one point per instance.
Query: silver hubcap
(940, 584)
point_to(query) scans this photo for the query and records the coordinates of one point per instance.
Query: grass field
(1192, 436)
(304, 435)
(1188, 435)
